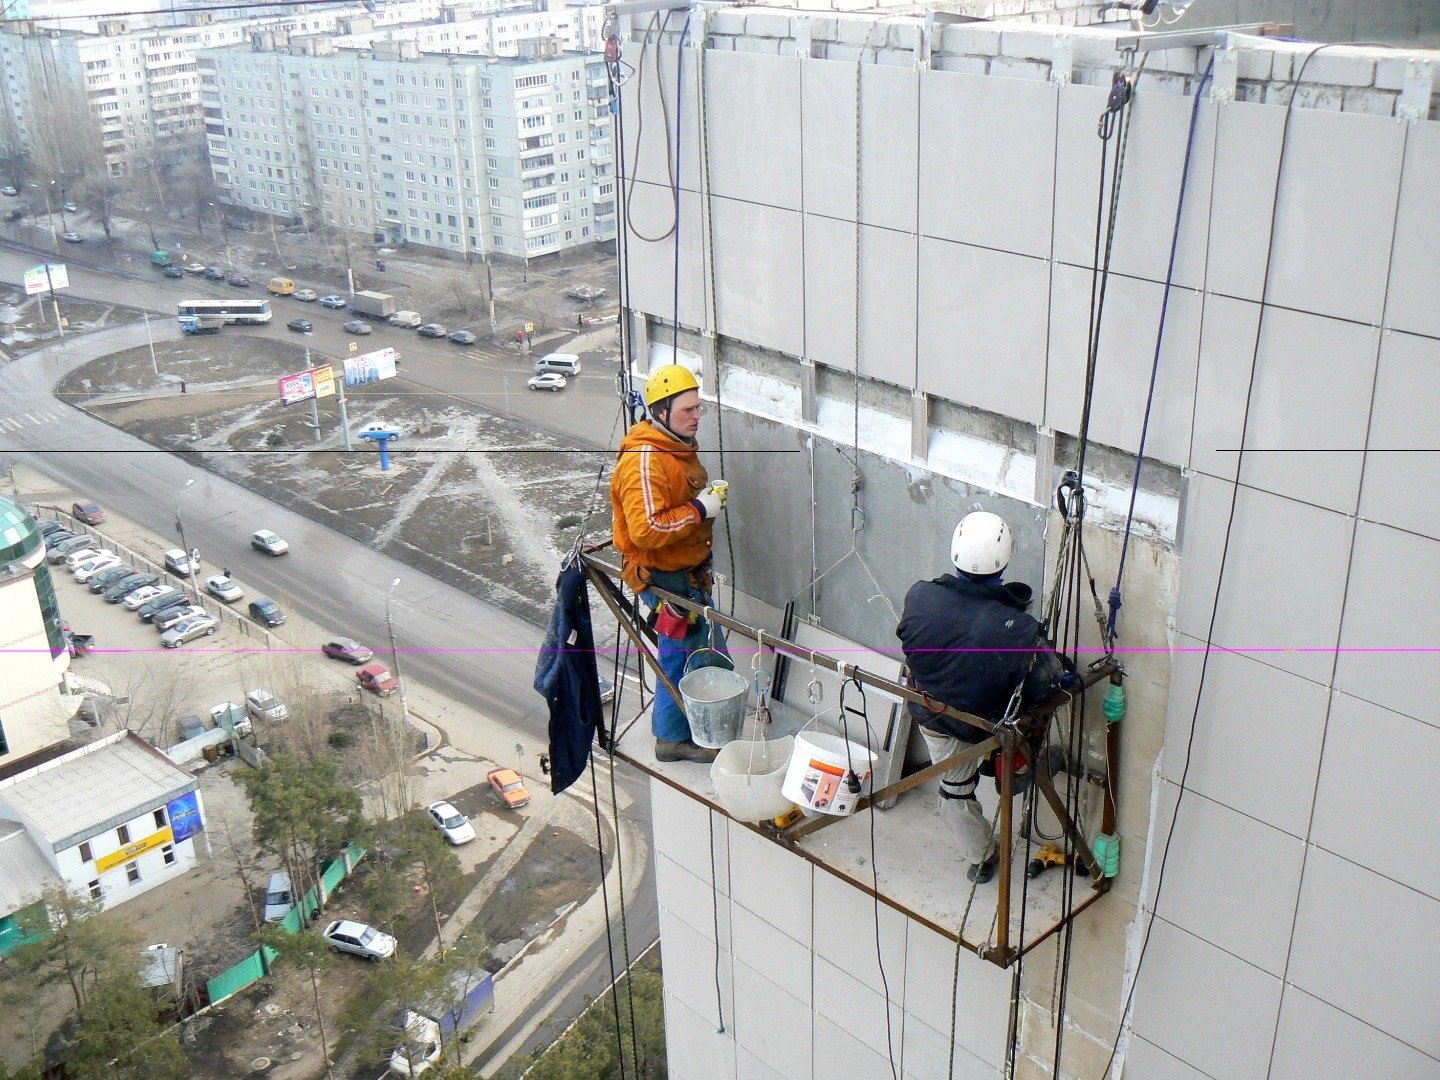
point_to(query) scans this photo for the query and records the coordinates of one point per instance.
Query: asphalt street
(458, 646)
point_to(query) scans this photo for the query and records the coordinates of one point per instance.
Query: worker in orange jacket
(664, 509)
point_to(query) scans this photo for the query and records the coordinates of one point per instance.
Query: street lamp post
(50, 213)
(154, 364)
(189, 553)
(64, 225)
(394, 652)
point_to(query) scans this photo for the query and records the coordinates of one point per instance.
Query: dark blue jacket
(969, 643)
(566, 674)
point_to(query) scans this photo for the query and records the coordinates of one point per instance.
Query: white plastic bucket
(747, 777)
(815, 779)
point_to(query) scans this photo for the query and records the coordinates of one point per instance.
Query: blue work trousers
(667, 719)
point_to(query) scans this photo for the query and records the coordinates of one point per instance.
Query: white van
(408, 319)
(278, 900)
(560, 363)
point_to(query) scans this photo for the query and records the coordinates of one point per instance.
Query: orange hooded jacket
(658, 525)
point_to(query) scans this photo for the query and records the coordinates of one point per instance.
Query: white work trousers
(959, 807)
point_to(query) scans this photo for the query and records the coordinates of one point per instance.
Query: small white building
(111, 819)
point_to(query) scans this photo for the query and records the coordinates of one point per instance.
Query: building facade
(472, 155)
(32, 641)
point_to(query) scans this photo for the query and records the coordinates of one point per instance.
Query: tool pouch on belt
(671, 622)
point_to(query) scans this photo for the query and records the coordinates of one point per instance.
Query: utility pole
(154, 364)
(395, 653)
(189, 552)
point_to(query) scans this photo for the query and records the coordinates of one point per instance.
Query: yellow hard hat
(668, 381)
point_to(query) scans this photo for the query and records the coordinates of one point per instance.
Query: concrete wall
(1293, 588)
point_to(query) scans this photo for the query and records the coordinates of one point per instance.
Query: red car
(88, 512)
(350, 651)
(377, 679)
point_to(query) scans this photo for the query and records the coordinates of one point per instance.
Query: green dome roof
(19, 535)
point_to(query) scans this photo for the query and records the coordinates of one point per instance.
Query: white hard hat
(981, 544)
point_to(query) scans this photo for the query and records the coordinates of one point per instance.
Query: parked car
(126, 585)
(431, 329)
(103, 580)
(227, 714)
(214, 273)
(358, 939)
(377, 679)
(139, 597)
(98, 563)
(263, 705)
(69, 207)
(223, 588)
(453, 825)
(332, 301)
(278, 898)
(88, 512)
(419, 1048)
(509, 787)
(357, 326)
(10, 189)
(266, 612)
(167, 617)
(181, 563)
(300, 326)
(266, 541)
(50, 528)
(238, 281)
(70, 236)
(305, 295)
(194, 268)
(173, 272)
(157, 605)
(188, 630)
(462, 337)
(77, 555)
(69, 545)
(57, 536)
(351, 652)
(548, 381)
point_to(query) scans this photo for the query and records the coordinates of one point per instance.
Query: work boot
(683, 750)
(981, 872)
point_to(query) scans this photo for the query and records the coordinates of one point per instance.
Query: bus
(232, 311)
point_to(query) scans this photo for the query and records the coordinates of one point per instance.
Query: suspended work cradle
(1022, 738)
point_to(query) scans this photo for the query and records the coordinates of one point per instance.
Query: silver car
(359, 940)
(188, 630)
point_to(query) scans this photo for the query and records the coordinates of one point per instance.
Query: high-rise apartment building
(471, 154)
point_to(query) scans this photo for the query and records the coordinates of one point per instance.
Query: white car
(304, 295)
(193, 268)
(90, 567)
(266, 541)
(419, 1049)
(359, 940)
(81, 556)
(143, 596)
(548, 381)
(264, 705)
(223, 588)
(188, 629)
(451, 822)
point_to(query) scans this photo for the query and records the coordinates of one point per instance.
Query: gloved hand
(711, 503)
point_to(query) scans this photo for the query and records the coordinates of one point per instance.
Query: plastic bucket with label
(815, 780)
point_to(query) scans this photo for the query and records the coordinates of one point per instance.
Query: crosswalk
(20, 421)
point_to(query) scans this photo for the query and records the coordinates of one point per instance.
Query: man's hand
(710, 503)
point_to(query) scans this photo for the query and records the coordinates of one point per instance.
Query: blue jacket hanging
(566, 676)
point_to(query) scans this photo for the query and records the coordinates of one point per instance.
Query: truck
(161, 259)
(201, 324)
(373, 305)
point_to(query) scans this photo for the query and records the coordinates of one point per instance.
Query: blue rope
(1116, 601)
(679, 160)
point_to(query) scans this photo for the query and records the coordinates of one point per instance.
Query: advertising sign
(370, 367)
(317, 382)
(129, 851)
(184, 815)
(36, 280)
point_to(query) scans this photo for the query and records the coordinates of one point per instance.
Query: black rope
(640, 127)
(715, 924)
(605, 901)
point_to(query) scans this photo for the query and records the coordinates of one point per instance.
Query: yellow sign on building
(130, 851)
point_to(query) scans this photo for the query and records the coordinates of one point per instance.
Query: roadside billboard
(37, 281)
(317, 382)
(370, 367)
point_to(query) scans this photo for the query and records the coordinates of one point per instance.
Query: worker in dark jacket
(969, 644)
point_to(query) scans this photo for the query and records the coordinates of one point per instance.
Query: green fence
(257, 965)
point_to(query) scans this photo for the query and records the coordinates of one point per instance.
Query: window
(168, 853)
(85, 854)
(123, 834)
(160, 818)
(94, 888)
(132, 873)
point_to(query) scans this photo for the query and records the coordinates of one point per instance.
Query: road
(458, 646)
